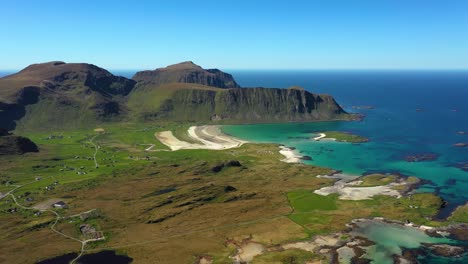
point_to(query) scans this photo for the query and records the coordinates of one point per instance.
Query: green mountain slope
(58, 95)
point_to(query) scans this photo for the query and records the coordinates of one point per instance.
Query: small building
(12, 210)
(38, 178)
(87, 229)
(90, 232)
(60, 205)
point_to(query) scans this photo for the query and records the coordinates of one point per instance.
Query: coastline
(320, 136)
(346, 185)
(210, 137)
(290, 155)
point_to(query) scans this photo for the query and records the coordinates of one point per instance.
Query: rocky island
(421, 157)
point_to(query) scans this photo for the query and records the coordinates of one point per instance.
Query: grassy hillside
(61, 95)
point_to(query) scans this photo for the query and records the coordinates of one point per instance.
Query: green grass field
(376, 180)
(306, 201)
(324, 214)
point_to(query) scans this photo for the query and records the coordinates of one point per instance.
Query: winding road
(57, 215)
(57, 219)
(95, 152)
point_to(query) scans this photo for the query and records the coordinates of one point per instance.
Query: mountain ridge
(58, 94)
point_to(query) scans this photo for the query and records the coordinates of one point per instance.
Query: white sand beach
(319, 241)
(347, 188)
(210, 137)
(289, 155)
(320, 136)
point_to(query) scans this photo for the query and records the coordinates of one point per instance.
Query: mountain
(10, 144)
(187, 72)
(178, 93)
(58, 93)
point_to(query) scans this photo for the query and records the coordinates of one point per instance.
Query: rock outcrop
(10, 144)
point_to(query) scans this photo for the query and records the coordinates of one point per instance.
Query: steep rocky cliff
(249, 105)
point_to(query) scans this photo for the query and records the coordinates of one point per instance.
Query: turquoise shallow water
(415, 112)
(378, 155)
(391, 238)
(395, 127)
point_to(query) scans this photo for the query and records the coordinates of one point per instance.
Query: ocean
(413, 112)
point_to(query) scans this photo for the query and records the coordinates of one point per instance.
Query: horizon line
(291, 69)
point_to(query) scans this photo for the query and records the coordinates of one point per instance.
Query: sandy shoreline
(347, 187)
(321, 135)
(289, 155)
(210, 137)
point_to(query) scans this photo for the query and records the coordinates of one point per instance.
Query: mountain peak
(186, 72)
(186, 65)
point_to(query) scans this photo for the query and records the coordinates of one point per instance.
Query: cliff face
(186, 72)
(58, 93)
(250, 105)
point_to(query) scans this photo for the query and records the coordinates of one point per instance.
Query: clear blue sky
(327, 34)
